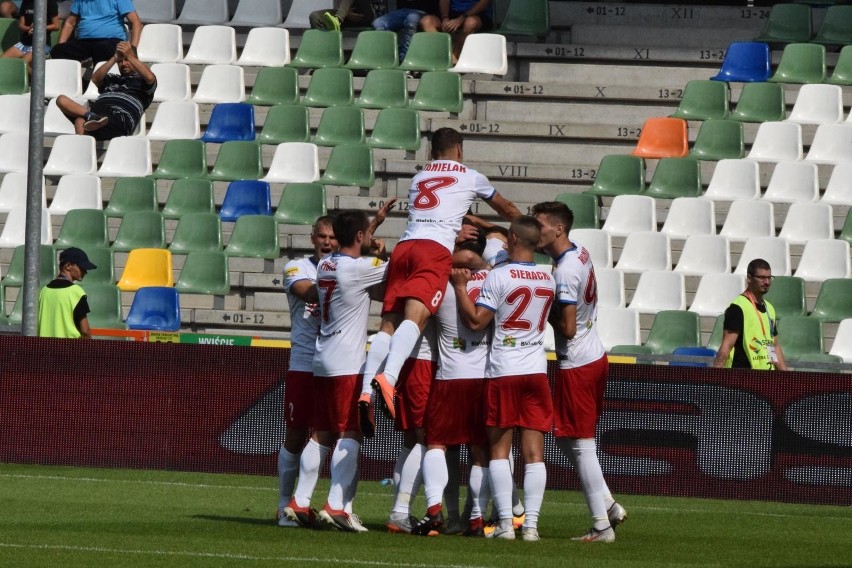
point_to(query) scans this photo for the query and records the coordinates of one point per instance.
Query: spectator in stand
(357, 13)
(8, 9)
(406, 18)
(100, 27)
(62, 305)
(460, 18)
(24, 48)
(123, 99)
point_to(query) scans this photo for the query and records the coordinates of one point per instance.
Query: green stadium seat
(319, 49)
(816, 358)
(787, 23)
(842, 74)
(205, 272)
(384, 88)
(16, 316)
(787, 296)
(340, 125)
(9, 34)
(374, 49)
(140, 229)
(13, 77)
(428, 51)
(631, 350)
(182, 159)
(440, 91)
(286, 123)
(834, 302)
(719, 139)
(836, 28)
(672, 329)
(47, 266)
(716, 335)
(275, 85)
(585, 209)
(350, 164)
(801, 63)
(237, 160)
(101, 257)
(132, 194)
(83, 228)
(397, 128)
(189, 195)
(526, 18)
(254, 236)
(197, 232)
(146, 267)
(301, 204)
(760, 102)
(676, 177)
(619, 175)
(703, 99)
(155, 308)
(329, 87)
(846, 231)
(104, 305)
(799, 336)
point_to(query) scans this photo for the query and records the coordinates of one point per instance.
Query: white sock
(435, 476)
(451, 491)
(401, 344)
(517, 505)
(608, 498)
(397, 470)
(375, 357)
(479, 487)
(584, 456)
(349, 493)
(409, 481)
(501, 488)
(535, 479)
(313, 456)
(344, 469)
(288, 470)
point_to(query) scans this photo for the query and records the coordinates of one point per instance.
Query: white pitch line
(225, 555)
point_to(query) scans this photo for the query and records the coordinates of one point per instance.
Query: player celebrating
(517, 296)
(581, 382)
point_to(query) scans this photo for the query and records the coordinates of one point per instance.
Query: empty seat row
(789, 23)
(800, 63)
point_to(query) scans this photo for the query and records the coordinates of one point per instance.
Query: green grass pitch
(73, 517)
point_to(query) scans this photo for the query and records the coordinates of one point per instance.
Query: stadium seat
(619, 175)
(818, 104)
(659, 290)
(161, 43)
(175, 119)
(705, 254)
(329, 87)
(127, 156)
(842, 346)
(431, 51)
(801, 63)
(526, 18)
(102, 258)
(197, 232)
(62, 77)
(777, 142)
(734, 180)
(156, 11)
(14, 229)
(792, 182)
(265, 46)
(715, 292)
(808, 221)
(719, 140)
(14, 79)
(585, 209)
(340, 125)
(834, 302)
(842, 74)
(774, 250)
(83, 228)
(189, 195)
(800, 336)
(702, 100)
(254, 236)
(319, 49)
(374, 49)
(140, 229)
(630, 350)
(787, 23)
(91, 93)
(715, 340)
(832, 144)
(598, 242)
(349, 164)
(286, 123)
(76, 191)
(132, 194)
(787, 296)
(396, 128)
(846, 230)
(146, 267)
(439, 91)
(237, 160)
(836, 28)
(297, 17)
(205, 272)
(204, 12)
(71, 154)
(610, 286)
(55, 122)
(618, 326)
(173, 82)
(258, 13)
(705, 352)
(384, 88)
(662, 137)
(230, 121)
(483, 53)
(155, 309)
(760, 102)
(672, 329)
(645, 250)
(294, 162)
(676, 177)
(13, 191)
(104, 301)
(16, 113)
(182, 159)
(16, 273)
(246, 197)
(745, 62)
(823, 259)
(690, 216)
(275, 85)
(838, 191)
(221, 84)
(630, 213)
(301, 204)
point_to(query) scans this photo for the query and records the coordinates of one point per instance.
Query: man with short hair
(24, 48)
(62, 305)
(100, 28)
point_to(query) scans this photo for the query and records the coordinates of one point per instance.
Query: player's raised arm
(381, 215)
(473, 317)
(503, 207)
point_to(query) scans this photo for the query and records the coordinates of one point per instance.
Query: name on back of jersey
(444, 167)
(529, 274)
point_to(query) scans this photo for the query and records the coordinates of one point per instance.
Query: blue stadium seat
(246, 197)
(692, 352)
(230, 121)
(155, 308)
(745, 62)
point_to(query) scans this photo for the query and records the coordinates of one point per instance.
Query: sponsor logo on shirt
(509, 341)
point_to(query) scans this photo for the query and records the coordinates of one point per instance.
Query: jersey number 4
(523, 297)
(426, 192)
(326, 288)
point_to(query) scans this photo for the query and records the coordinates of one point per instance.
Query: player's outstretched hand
(460, 276)
(383, 211)
(467, 233)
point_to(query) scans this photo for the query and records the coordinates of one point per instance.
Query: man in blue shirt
(100, 26)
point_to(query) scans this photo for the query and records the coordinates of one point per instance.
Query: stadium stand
(155, 308)
(16, 273)
(619, 175)
(340, 125)
(197, 232)
(237, 160)
(13, 191)
(787, 23)
(702, 100)
(105, 304)
(526, 18)
(161, 43)
(294, 162)
(175, 119)
(662, 138)
(428, 52)
(16, 113)
(14, 79)
(793, 182)
(146, 267)
(230, 121)
(319, 49)
(221, 84)
(258, 13)
(204, 12)
(800, 336)
(286, 123)
(734, 180)
(787, 296)
(83, 228)
(246, 197)
(182, 159)
(265, 47)
(205, 272)
(396, 128)
(676, 177)
(132, 194)
(76, 191)
(745, 62)
(801, 63)
(818, 104)
(672, 329)
(374, 49)
(690, 216)
(140, 230)
(760, 102)
(719, 139)
(645, 250)
(127, 156)
(212, 45)
(483, 53)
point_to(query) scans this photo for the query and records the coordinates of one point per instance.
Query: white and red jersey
(576, 284)
(521, 295)
(495, 252)
(304, 317)
(439, 198)
(462, 352)
(426, 348)
(343, 283)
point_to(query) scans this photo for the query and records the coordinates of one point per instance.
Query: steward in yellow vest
(62, 305)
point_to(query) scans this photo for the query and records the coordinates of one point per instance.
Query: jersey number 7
(326, 288)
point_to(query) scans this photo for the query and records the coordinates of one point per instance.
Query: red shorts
(412, 392)
(456, 413)
(578, 400)
(336, 403)
(521, 401)
(418, 269)
(298, 399)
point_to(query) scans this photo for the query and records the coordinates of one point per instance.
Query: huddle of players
(490, 376)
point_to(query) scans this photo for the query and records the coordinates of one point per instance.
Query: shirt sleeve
(489, 295)
(483, 187)
(567, 284)
(125, 7)
(373, 271)
(81, 311)
(733, 319)
(293, 273)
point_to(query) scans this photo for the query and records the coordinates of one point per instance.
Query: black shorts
(487, 24)
(119, 123)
